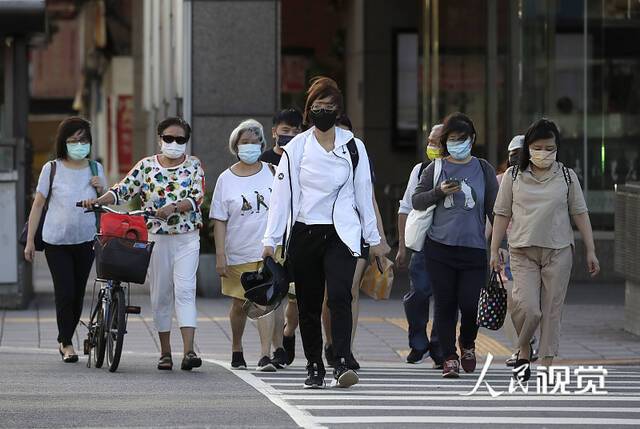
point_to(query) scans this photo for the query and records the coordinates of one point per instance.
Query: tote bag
(419, 221)
(492, 305)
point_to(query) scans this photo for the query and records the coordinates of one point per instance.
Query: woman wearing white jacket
(322, 202)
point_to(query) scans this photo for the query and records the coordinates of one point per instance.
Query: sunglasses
(170, 139)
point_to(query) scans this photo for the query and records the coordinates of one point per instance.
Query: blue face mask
(459, 150)
(249, 153)
(78, 151)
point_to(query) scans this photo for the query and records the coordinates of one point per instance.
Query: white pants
(172, 274)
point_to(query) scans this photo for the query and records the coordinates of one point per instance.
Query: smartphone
(452, 182)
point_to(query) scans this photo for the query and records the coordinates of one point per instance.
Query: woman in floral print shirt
(172, 184)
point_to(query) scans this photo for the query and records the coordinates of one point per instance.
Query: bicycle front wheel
(116, 328)
(99, 336)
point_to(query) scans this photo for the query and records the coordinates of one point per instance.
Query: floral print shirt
(158, 186)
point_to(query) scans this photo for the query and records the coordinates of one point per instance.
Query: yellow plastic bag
(378, 284)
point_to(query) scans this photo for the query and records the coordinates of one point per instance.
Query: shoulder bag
(419, 221)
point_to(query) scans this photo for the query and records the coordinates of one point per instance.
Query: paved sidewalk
(592, 330)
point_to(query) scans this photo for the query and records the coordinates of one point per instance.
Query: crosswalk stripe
(479, 420)
(483, 408)
(397, 394)
(425, 381)
(357, 391)
(362, 385)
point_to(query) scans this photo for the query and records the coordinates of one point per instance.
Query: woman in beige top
(540, 197)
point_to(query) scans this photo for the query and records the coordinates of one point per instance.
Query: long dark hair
(540, 130)
(66, 129)
(456, 123)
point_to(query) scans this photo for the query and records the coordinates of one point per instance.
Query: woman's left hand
(593, 265)
(166, 211)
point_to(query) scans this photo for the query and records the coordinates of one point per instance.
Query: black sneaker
(237, 361)
(330, 355)
(289, 345)
(352, 363)
(190, 361)
(416, 356)
(344, 377)
(279, 359)
(315, 376)
(265, 365)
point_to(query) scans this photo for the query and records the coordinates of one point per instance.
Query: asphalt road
(38, 390)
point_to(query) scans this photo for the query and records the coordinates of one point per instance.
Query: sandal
(165, 363)
(67, 358)
(190, 361)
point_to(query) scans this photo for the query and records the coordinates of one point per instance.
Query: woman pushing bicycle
(171, 184)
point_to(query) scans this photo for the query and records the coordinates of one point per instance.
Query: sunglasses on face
(170, 139)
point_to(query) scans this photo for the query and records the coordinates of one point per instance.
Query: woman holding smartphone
(455, 248)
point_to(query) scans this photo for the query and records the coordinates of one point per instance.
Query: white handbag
(419, 221)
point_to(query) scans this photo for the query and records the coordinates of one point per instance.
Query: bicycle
(119, 261)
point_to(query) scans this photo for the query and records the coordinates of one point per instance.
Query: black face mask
(514, 160)
(324, 119)
(283, 140)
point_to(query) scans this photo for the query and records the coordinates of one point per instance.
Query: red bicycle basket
(123, 226)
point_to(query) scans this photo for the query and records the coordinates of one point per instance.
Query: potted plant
(208, 281)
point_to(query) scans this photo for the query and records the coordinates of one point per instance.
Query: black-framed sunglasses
(170, 139)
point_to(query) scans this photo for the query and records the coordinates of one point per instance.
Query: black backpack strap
(422, 167)
(353, 153)
(514, 172)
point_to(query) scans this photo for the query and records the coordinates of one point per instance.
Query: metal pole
(585, 88)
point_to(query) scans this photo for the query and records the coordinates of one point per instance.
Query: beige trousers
(540, 280)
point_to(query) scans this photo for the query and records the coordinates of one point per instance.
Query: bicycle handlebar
(148, 214)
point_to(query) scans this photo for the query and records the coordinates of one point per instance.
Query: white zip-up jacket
(353, 213)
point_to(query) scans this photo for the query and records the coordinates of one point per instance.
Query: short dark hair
(291, 117)
(175, 120)
(321, 87)
(541, 129)
(66, 129)
(456, 123)
(344, 121)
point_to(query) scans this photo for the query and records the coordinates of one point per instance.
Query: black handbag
(39, 244)
(492, 305)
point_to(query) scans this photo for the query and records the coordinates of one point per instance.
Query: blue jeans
(416, 307)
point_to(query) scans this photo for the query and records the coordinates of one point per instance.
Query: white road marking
(408, 382)
(467, 408)
(504, 385)
(476, 420)
(301, 417)
(505, 397)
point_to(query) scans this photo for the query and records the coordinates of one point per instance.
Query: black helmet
(264, 289)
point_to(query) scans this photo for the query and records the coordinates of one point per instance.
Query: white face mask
(173, 150)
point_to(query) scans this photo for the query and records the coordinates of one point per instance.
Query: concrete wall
(235, 74)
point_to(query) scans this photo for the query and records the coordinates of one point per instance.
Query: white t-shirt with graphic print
(243, 202)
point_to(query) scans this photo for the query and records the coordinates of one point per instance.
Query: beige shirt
(540, 207)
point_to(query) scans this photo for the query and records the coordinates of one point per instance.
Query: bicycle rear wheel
(99, 338)
(116, 328)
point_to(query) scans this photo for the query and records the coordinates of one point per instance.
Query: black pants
(457, 275)
(70, 266)
(318, 256)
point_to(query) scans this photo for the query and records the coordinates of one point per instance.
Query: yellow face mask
(433, 152)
